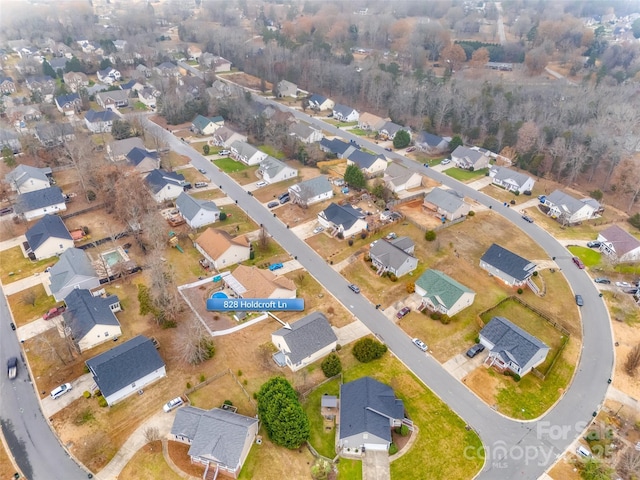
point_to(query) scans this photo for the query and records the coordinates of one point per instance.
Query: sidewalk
(25, 283)
(13, 242)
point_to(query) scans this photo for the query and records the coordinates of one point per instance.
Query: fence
(80, 212)
(400, 201)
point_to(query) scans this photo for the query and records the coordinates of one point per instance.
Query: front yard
(466, 176)
(15, 266)
(229, 165)
(30, 304)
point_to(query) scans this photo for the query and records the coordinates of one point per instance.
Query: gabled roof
(374, 121)
(261, 283)
(364, 159)
(441, 289)
(430, 139)
(125, 364)
(224, 133)
(448, 200)
(344, 215)
(271, 166)
(22, 173)
(84, 312)
(312, 187)
(301, 129)
(73, 262)
(115, 95)
(307, 336)
(366, 406)
(465, 152)
(391, 254)
(4, 79)
(49, 226)
(392, 128)
(316, 98)
(398, 174)
(45, 197)
(343, 110)
(122, 147)
(511, 342)
(68, 98)
(129, 85)
(53, 131)
(201, 122)
(137, 155)
(569, 204)
(510, 176)
(158, 179)
(621, 240)
(189, 206)
(103, 116)
(337, 146)
(244, 149)
(218, 435)
(215, 242)
(167, 66)
(508, 262)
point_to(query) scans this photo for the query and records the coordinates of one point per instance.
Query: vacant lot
(225, 387)
(420, 215)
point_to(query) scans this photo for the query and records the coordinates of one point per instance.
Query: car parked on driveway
(476, 349)
(61, 390)
(420, 344)
(401, 313)
(446, 161)
(411, 149)
(261, 183)
(603, 280)
(624, 284)
(318, 229)
(224, 152)
(275, 266)
(578, 262)
(171, 404)
(579, 300)
(54, 312)
(273, 204)
(354, 288)
(594, 244)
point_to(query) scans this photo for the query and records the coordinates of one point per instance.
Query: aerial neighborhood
(278, 241)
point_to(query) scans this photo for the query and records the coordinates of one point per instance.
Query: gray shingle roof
(511, 342)
(122, 147)
(84, 311)
(73, 262)
(441, 289)
(448, 200)
(318, 99)
(45, 197)
(337, 146)
(307, 336)
(462, 152)
(366, 406)
(244, 149)
(137, 155)
(363, 159)
(344, 215)
(23, 173)
(312, 187)
(47, 227)
(508, 262)
(398, 174)
(430, 139)
(272, 166)
(343, 110)
(567, 203)
(125, 364)
(61, 100)
(391, 254)
(216, 434)
(159, 178)
(506, 175)
(189, 206)
(103, 116)
(622, 241)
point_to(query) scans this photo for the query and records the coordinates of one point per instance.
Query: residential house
(113, 98)
(126, 369)
(343, 113)
(109, 75)
(194, 52)
(7, 85)
(219, 439)
(41, 83)
(512, 269)
(37, 203)
(447, 204)
(320, 102)
(47, 238)
(75, 80)
(149, 97)
(338, 147)
(19, 115)
(368, 411)
(221, 249)
(389, 130)
(398, 178)
(286, 89)
(568, 209)
(197, 213)
(73, 271)
(58, 64)
(273, 170)
(430, 143)
(9, 139)
(619, 244)
(511, 348)
(219, 89)
(218, 64)
(143, 71)
(370, 122)
(343, 219)
(25, 178)
(511, 180)
(99, 122)
(165, 185)
(254, 282)
(167, 69)
(304, 342)
(441, 293)
(311, 191)
(305, 132)
(206, 126)
(90, 320)
(143, 160)
(394, 256)
(120, 45)
(132, 85)
(118, 149)
(224, 137)
(370, 164)
(54, 134)
(469, 159)
(246, 153)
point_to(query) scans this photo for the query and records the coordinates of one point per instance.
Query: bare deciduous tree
(193, 344)
(164, 293)
(151, 434)
(29, 297)
(264, 239)
(633, 361)
(52, 347)
(629, 463)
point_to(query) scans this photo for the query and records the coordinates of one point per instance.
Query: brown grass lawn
(224, 388)
(192, 175)
(271, 192)
(210, 194)
(15, 266)
(99, 223)
(148, 462)
(246, 176)
(11, 229)
(174, 160)
(293, 214)
(6, 465)
(565, 469)
(30, 304)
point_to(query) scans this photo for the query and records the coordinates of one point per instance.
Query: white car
(318, 229)
(171, 404)
(446, 161)
(61, 390)
(224, 152)
(623, 284)
(261, 184)
(420, 344)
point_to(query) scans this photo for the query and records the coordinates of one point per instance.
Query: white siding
(99, 334)
(52, 247)
(41, 212)
(139, 384)
(78, 281)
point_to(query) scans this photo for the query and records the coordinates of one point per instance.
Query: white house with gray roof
(441, 293)
(512, 348)
(47, 238)
(126, 369)
(219, 439)
(273, 170)
(469, 158)
(369, 164)
(41, 202)
(399, 178)
(197, 213)
(320, 102)
(311, 191)
(246, 153)
(447, 204)
(568, 209)
(113, 98)
(344, 113)
(118, 149)
(143, 160)
(619, 244)
(511, 180)
(165, 185)
(91, 320)
(74, 270)
(342, 219)
(368, 411)
(306, 341)
(25, 178)
(394, 256)
(224, 137)
(305, 132)
(9, 139)
(286, 89)
(512, 269)
(390, 129)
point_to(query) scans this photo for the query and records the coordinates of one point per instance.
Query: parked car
(527, 193)
(354, 288)
(603, 280)
(273, 204)
(54, 312)
(202, 170)
(411, 149)
(6, 211)
(579, 300)
(446, 161)
(578, 262)
(476, 349)
(420, 344)
(171, 404)
(12, 368)
(200, 184)
(425, 165)
(391, 236)
(284, 198)
(527, 218)
(594, 244)
(224, 152)
(318, 229)
(61, 390)
(583, 452)
(624, 284)
(388, 149)
(401, 313)
(275, 266)
(261, 183)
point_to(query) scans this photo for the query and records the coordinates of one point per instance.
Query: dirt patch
(179, 454)
(482, 384)
(247, 81)
(161, 121)
(293, 214)
(626, 337)
(419, 215)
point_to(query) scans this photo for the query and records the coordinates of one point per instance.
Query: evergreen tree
(354, 177)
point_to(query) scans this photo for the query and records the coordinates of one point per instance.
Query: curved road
(514, 449)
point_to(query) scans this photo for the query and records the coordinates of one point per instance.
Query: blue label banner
(255, 304)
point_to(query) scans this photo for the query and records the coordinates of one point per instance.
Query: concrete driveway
(25, 283)
(460, 365)
(305, 230)
(351, 333)
(375, 465)
(80, 385)
(35, 328)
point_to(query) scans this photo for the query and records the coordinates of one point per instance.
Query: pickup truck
(54, 312)
(12, 367)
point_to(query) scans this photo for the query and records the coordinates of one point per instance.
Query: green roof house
(442, 293)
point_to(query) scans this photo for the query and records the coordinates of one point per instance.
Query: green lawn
(628, 268)
(465, 175)
(30, 304)
(322, 440)
(589, 256)
(269, 150)
(15, 266)
(139, 106)
(349, 469)
(229, 165)
(362, 133)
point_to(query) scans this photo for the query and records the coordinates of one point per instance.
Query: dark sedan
(476, 349)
